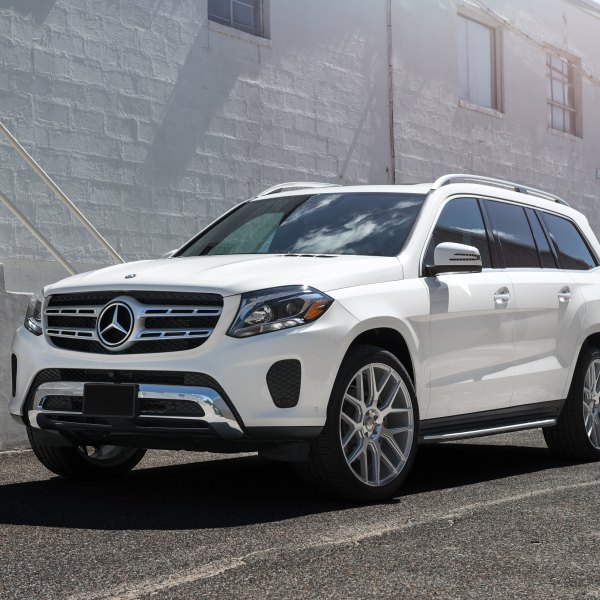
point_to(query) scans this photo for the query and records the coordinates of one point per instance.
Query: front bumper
(226, 376)
(211, 411)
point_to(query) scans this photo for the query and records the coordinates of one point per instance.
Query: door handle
(502, 296)
(564, 295)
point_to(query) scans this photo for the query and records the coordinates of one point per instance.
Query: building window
(245, 15)
(562, 110)
(478, 63)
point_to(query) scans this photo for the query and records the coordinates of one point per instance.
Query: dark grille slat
(180, 408)
(63, 403)
(181, 322)
(68, 321)
(128, 376)
(151, 298)
(148, 406)
(145, 347)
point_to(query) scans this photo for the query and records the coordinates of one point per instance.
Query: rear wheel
(368, 444)
(86, 462)
(576, 435)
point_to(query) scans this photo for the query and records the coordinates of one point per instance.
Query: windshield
(372, 224)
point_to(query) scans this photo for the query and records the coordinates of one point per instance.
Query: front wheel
(85, 462)
(369, 441)
(576, 436)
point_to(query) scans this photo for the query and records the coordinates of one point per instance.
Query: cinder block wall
(154, 121)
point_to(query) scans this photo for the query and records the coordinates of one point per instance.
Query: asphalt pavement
(491, 518)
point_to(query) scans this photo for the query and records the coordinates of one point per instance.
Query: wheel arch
(389, 339)
(592, 340)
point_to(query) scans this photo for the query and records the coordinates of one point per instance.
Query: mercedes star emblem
(115, 324)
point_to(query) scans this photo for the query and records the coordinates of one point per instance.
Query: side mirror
(449, 257)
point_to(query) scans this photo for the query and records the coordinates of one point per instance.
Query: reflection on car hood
(236, 274)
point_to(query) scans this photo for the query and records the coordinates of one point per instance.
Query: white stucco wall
(12, 311)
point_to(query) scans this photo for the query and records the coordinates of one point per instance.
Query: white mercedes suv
(333, 327)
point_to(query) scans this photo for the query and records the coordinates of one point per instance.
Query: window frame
(496, 63)
(496, 256)
(498, 241)
(554, 246)
(532, 213)
(260, 28)
(486, 224)
(573, 89)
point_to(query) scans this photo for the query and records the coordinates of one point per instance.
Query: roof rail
(290, 186)
(501, 183)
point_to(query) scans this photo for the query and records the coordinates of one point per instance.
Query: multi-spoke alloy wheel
(591, 401)
(576, 436)
(369, 441)
(376, 424)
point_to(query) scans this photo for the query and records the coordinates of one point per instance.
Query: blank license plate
(110, 400)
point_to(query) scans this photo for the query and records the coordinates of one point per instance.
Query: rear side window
(461, 222)
(516, 240)
(573, 252)
(546, 256)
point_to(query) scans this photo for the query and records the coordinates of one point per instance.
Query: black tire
(73, 463)
(327, 468)
(569, 438)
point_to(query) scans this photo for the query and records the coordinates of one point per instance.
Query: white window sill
(564, 135)
(490, 112)
(238, 34)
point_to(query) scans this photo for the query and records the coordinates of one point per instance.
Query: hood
(236, 274)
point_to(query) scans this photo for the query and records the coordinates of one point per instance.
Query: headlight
(278, 308)
(33, 317)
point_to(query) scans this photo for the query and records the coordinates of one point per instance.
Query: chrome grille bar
(88, 334)
(171, 334)
(73, 311)
(181, 311)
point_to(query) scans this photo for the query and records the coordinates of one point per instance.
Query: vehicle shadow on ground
(238, 491)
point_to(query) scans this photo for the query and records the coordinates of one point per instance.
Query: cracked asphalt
(496, 517)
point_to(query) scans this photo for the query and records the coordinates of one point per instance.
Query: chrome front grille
(161, 321)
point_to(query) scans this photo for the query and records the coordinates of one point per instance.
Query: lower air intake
(283, 379)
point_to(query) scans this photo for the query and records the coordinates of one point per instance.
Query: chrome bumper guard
(217, 413)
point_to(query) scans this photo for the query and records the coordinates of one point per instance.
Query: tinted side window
(461, 222)
(573, 252)
(513, 231)
(546, 256)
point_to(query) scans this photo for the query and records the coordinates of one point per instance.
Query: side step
(491, 422)
(471, 433)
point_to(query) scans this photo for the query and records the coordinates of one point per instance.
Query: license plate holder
(111, 400)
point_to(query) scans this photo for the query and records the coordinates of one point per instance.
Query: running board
(471, 433)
